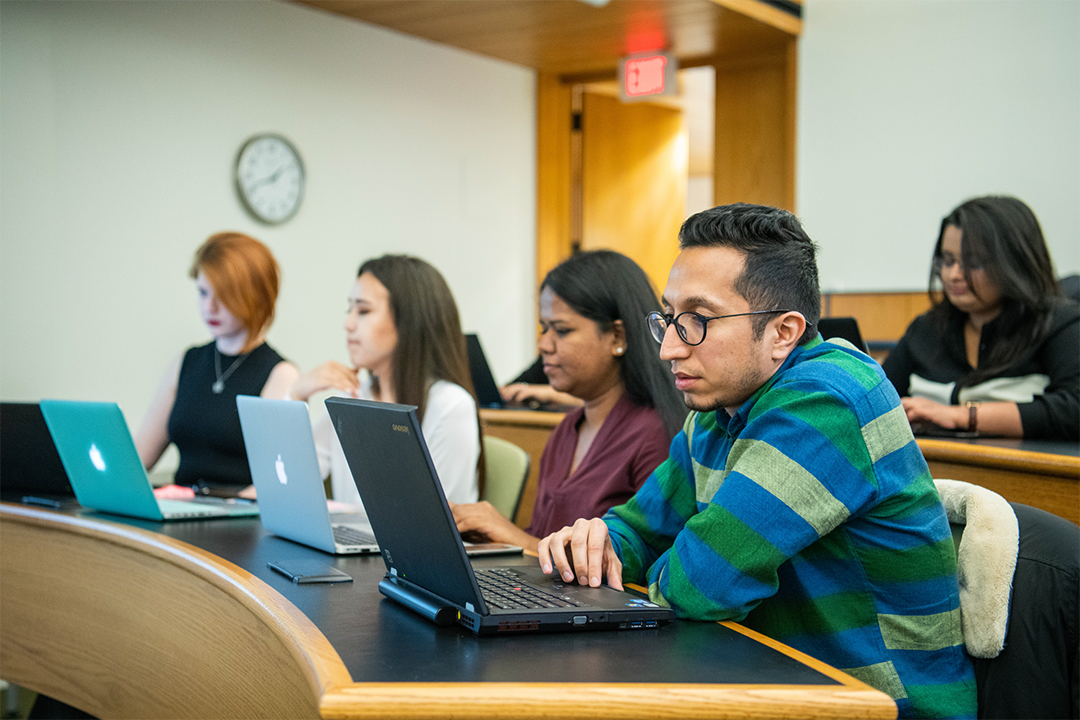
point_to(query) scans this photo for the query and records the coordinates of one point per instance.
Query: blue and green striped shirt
(810, 516)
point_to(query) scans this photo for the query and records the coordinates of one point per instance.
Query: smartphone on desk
(304, 572)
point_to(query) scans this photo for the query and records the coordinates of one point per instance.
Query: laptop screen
(29, 462)
(404, 499)
(487, 390)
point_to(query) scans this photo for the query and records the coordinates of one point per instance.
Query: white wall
(906, 108)
(119, 125)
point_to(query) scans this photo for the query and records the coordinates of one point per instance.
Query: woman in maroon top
(595, 345)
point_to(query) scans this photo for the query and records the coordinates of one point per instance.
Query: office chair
(507, 468)
(1020, 624)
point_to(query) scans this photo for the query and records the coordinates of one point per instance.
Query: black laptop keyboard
(346, 535)
(504, 589)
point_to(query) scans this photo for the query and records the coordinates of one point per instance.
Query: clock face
(270, 178)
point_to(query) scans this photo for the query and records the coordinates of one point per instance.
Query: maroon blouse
(630, 444)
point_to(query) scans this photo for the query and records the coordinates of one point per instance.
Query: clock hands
(268, 180)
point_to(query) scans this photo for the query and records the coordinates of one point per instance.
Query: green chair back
(507, 468)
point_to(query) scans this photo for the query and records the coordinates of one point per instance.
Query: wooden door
(633, 181)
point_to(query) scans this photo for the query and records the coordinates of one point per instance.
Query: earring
(619, 350)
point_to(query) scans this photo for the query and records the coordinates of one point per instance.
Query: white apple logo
(280, 466)
(95, 457)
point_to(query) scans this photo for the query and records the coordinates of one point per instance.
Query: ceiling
(577, 38)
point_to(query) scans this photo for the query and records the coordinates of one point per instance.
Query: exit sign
(647, 75)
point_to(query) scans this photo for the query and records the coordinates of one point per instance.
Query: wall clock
(270, 178)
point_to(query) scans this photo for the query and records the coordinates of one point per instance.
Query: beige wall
(909, 107)
(119, 124)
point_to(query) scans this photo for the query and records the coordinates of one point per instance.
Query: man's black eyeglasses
(691, 329)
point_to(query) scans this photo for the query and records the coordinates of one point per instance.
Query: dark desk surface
(381, 642)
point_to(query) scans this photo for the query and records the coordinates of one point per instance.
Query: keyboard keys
(346, 535)
(503, 589)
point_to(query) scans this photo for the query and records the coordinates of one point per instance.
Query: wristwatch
(973, 416)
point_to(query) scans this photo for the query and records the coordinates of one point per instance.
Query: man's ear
(789, 329)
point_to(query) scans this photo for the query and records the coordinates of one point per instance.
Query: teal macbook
(103, 466)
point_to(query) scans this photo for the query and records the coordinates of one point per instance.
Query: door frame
(754, 156)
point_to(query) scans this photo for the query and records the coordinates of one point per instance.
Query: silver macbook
(103, 466)
(285, 470)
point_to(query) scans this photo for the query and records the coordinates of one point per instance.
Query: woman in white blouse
(404, 330)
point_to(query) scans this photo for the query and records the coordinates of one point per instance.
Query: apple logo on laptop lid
(280, 467)
(96, 459)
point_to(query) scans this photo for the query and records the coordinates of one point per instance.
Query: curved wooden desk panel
(1048, 481)
(126, 622)
(1000, 458)
(588, 701)
(121, 622)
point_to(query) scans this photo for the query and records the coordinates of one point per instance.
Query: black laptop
(427, 568)
(484, 385)
(846, 328)
(30, 466)
(487, 390)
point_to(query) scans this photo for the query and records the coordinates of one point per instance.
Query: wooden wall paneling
(553, 172)
(882, 317)
(766, 14)
(755, 129)
(635, 165)
(567, 37)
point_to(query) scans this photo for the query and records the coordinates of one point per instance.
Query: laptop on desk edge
(427, 568)
(103, 465)
(292, 500)
(30, 467)
(285, 470)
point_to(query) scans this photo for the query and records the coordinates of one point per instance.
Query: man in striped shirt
(795, 500)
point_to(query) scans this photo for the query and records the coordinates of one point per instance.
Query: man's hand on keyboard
(591, 556)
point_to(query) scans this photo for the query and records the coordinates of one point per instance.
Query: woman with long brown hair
(405, 346)
(997, 354)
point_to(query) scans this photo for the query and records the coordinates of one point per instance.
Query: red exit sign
(648, 75)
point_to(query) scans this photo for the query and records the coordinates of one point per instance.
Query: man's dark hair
(781, 270)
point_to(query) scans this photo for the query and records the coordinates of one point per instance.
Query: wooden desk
(125, 618)
(1042, 474)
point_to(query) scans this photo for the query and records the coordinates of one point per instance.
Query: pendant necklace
(219, 385)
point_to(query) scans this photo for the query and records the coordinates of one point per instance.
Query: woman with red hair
(195, 406)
